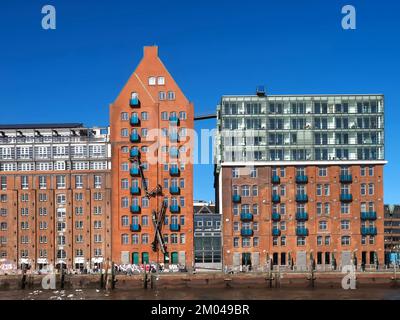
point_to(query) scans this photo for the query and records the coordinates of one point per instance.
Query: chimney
(150, 52)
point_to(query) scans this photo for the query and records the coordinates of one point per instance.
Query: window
(3, 182)
(255, 191)
(245, 191)
(319, 189)
(345, 224)
(371, 171)
(124, 132)
(246, 242)
(124, 184)
(326, 189)
(60, 181)
(275, 241)
(363, 189)
(160, 81)
(235, 173)
(345, 208)
(42, 182)
(345, 241)
(78, 182)
(164, 115)
(253, 173)
(319, 240)
(152, 81)
(283, 241)
(161, 95)
(171, 95)
(371, 189)
(319, 208)
(236, 242)
(363, 171)
(182, 115)
(322, 171)
(322, 225)
(327, 208)
(301, 241)
(327, 240)
(97, 182)
(61, 199)
(124, 239)
(24, 182)
(124, 116)
(145, 116)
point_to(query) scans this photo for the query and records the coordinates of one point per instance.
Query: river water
(205, 294)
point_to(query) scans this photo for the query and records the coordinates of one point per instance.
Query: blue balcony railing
(174, 190)
(301, 231)
(174, 171)
(134, 152)
(371, 231)
(301, 197)
(301, 216)
(134, 102)
(276, 198)
(276, 232)
(173, 120)
(135, 121)
(135, 171)
(174, 227)
(346, 178)
(368, 215)
(173, 137)
(135, 227)
(135, 137)
(135, 190)
(275, 179)
(246, 216)
(174, 208)
(346, 197)
(236, 198)
(174, 153)
(301, 178)
(135, 208)
(276, 216)
(246, 232)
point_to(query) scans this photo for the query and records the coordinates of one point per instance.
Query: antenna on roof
(260, 91)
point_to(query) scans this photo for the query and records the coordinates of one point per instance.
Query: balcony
(173, 120)
(174, 153)
(236, 198)
(276, 198)
(346, 197)
(371, 231)
(174, 208)
(134, 102)
(135, 227)
(174, 190)
(275, 179)
(135, 121)
(301, 216)
(301, 179)
(174, 227)
(173, 137)
(135, 171)
(301, 197)
(135, 137)
(276, 232)
(246, 232)
(369, 215)
(301, 231)
(346, 178)
(134, 152)
(246, 216)
(174, 171)
(135, 209)
(135, 190)
(276, 217)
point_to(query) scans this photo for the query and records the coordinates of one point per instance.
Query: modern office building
(207, 236)
(300, 180)
(151, 122)
(55, 195)
(392, 231)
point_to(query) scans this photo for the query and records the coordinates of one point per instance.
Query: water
(206, 294)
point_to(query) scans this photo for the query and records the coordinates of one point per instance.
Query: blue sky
(212, 48)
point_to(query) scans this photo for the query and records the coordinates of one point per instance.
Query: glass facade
(300, 128)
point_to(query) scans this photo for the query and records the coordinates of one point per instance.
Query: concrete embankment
(202, 280)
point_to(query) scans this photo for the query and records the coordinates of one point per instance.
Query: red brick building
(300, 180)
(151, 121)
(55, 196)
